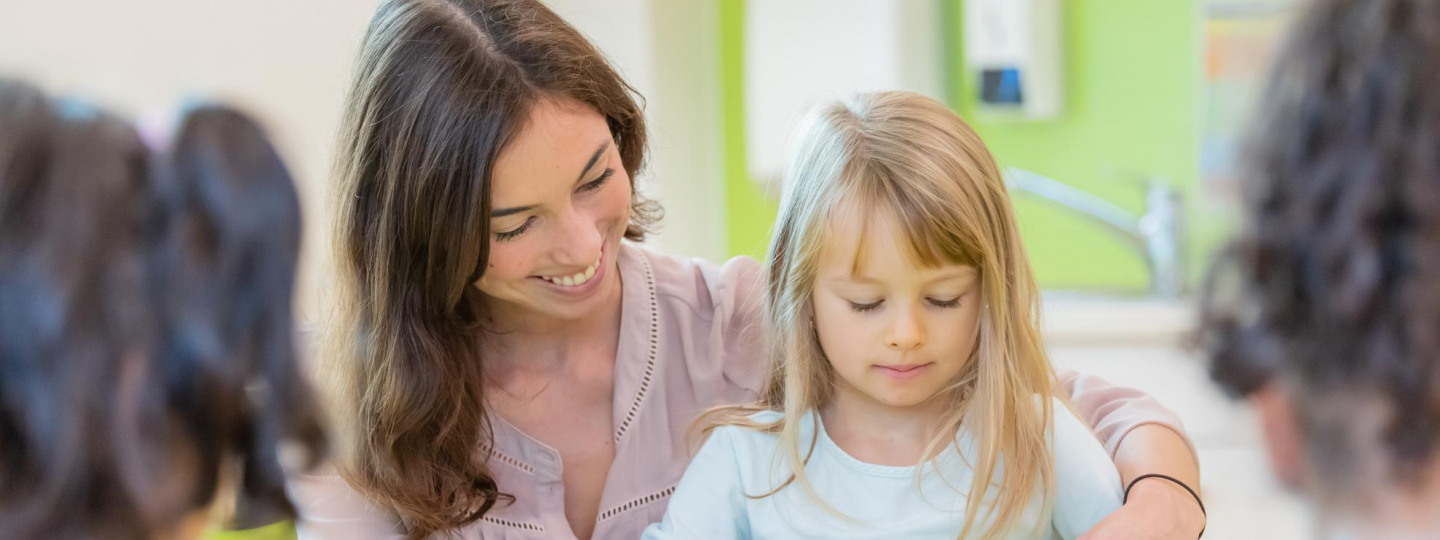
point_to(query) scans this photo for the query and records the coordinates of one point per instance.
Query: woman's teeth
(577, 279)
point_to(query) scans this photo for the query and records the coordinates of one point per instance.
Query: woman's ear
(1275, 405)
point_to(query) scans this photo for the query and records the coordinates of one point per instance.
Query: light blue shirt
(876, 501)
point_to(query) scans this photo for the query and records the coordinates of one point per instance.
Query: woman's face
(560, 200)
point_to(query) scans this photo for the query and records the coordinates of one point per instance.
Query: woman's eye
(597, 183)
(953, 302)
(862, 308)
(514, 233)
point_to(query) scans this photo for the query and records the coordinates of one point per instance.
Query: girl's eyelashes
(597, 183)
(514, 233)
(862, 308)
(951, 303)
(872, 306)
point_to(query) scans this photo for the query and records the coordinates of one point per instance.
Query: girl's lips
(904, 371)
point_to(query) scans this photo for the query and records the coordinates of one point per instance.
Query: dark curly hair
(1334, 284)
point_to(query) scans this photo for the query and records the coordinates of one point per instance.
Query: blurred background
(1119, 121)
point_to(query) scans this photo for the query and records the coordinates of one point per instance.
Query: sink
(1079, 319)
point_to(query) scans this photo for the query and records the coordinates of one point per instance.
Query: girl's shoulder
(1065, 430)
(745, 420)
(766, 417)
(755, 432)
(1063, 413)
(1067, 427)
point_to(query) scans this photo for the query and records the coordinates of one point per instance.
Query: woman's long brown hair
(441, 87)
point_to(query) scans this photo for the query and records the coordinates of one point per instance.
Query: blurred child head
(226, 275)
(145, 370)
(1326, 310)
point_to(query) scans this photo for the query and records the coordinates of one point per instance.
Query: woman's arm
(1143, 437)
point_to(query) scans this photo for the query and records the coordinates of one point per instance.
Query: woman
(494, 320)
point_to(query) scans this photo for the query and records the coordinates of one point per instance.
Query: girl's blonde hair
(910, 156)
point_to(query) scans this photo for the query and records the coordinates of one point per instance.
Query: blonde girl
(910, 395)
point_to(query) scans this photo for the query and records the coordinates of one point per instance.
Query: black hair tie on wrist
(1177, 482)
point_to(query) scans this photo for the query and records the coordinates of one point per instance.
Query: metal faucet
(1157, 234)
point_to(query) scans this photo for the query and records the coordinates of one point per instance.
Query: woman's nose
(580, 241)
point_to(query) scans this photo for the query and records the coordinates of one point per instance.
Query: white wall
(801, 52)
(289, 63)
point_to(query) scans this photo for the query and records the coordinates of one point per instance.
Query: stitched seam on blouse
(636, 503)
(650, 355)
(498, 456)
(513, 524)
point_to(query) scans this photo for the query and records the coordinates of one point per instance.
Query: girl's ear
(814, 330)
(1275, 406)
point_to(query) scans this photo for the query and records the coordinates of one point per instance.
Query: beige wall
(668, 50)
(288, 62)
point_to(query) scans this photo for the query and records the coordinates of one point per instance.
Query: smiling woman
(487, 162)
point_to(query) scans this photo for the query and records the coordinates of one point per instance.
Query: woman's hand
(1157, 509)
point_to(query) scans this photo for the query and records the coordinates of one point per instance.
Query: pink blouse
(688, 341)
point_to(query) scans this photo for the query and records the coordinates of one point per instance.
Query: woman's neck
(874, 432)
(522, 344)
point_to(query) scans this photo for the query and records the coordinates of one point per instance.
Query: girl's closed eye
(860, 307)
(947, 304)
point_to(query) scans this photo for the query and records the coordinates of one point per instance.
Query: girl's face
(895, 332)
(560, 201)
